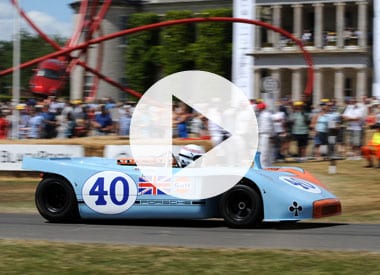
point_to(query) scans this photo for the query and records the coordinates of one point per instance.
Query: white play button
(222, 103)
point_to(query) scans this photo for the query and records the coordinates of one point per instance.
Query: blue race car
(99, 188)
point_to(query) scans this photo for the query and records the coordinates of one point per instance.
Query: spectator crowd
(326, 131)
(287, 130)
(52, 118)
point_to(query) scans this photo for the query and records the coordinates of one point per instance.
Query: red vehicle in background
(50, 77)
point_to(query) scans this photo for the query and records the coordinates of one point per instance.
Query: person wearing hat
(265, 124)
(372, 148)
(319, 124)
(300, 121)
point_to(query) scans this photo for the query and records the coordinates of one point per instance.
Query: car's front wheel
(55, 200)
(241, 206)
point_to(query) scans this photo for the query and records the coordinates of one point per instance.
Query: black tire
(55, 200)
(241, 206)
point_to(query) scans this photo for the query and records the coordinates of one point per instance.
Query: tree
(175, 52)
(213, 47)
(142, 53)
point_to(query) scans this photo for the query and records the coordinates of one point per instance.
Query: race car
(101, 188)
(49, 78)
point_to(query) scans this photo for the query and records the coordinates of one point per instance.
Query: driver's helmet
(189, 153)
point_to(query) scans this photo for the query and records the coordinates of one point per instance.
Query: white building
(337, 34)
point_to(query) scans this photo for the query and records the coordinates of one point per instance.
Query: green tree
(175, 53)
(5, 62)
(141, 53)
(212, 49)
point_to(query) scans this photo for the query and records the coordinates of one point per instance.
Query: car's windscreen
(48, 73)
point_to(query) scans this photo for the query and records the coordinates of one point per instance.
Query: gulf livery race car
(99, 188)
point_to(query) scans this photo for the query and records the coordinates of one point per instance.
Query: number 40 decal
(109, 192)
(98, 190)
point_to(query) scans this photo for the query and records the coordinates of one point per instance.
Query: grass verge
(62, 258)
(17, 195)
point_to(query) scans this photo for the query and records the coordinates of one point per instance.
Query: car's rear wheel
(55, 200)
(241, 206)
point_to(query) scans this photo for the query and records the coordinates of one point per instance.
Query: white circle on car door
(109, 192)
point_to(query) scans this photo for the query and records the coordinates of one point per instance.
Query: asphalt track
(200, 234)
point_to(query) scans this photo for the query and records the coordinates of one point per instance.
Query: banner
(11, 155)
(243, 44)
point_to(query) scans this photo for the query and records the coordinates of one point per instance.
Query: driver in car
(189, 154)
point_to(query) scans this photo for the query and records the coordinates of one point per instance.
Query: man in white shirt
(354, 116)
(265, 134)
(279, 119)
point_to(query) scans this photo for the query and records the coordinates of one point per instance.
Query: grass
(17, 195)
(46, 257)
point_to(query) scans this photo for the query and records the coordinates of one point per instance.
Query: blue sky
(52, 16)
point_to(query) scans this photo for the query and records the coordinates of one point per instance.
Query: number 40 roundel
(109, 192)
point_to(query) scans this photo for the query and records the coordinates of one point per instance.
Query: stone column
(77, 83)
(257, 85)
(339, 85)
(276, 74)
(276, 21)
(340, 24)
(318, 25)
(297, 20)
(317, 88)
(296, 84)
(77, 73)
(258, 29)
(362, 23)
(361, 83)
